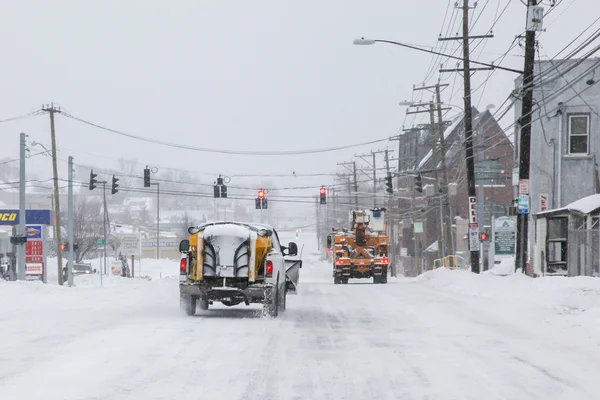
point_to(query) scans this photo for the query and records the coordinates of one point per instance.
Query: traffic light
(146, 177)
(75, 246)
(64, 246)
(93, 180)
(114, 189)
(419, 184)
(261, 200)
(484, 236)
(220, 189)
(388, 184)
(323, 193)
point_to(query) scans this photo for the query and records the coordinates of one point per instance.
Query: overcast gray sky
(248, 75)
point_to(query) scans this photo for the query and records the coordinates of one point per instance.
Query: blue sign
(38, 217)
(523, 207)
(33, 231)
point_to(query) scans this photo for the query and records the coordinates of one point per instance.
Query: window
(276, 243)
(579, 129)
(490, 172)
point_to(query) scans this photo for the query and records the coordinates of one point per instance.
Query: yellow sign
(9, 216)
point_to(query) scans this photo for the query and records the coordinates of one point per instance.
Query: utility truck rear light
(182, 266)
(269, 268)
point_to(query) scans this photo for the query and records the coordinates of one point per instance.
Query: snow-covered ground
(443, 335)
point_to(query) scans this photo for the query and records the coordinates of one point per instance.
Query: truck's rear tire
(376, 279)
(337, 280)
(283, 300)
(187, 304)
(271, 302)
(203, 304)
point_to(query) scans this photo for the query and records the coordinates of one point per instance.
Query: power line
(222, 151)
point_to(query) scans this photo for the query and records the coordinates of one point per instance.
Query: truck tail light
(269, 268)
(182, 266)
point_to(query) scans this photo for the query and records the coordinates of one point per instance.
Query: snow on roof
(457, 120)
(586, 205)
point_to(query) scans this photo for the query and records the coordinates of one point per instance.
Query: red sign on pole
(34, 251)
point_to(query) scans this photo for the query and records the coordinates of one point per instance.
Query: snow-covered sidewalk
(577, 297)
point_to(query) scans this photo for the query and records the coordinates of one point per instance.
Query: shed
(567, 239)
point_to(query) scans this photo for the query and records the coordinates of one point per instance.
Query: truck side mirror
(184, 246)
(292, 249)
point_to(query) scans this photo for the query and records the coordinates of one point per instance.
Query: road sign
(129, 244)
(403, 252)
(504, 236)
(472, 210)
(474, 237)
(523, 204)
(99, 241)
(34, 252)
(524, 186)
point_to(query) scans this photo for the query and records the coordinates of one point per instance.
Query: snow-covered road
(405, 340)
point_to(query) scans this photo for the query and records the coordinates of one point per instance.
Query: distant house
(565, 146)
(493, 166)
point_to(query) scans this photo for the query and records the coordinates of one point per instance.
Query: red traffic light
(323, 190)
(261, 194)
(483, 236)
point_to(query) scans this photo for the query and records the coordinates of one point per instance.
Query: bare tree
(87, 227)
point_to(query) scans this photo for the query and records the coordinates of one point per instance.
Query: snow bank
(146, 268)
(574, 296)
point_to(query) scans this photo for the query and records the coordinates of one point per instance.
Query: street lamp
(367, 42)
(39, 144)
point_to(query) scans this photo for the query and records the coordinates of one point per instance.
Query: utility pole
(105, 223)
(469, 134)
(525, 138)
(415, 237)
(353, 171)
(445, 194)
(70, 239)
(21, 265)
(481, 194)
(355, 184)
(392, 237)
(374, 179)
(58, 238)
(434, 130)
(373, 165)
(318, 224)
(468, 123)
(158, 218)
(438, 221)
